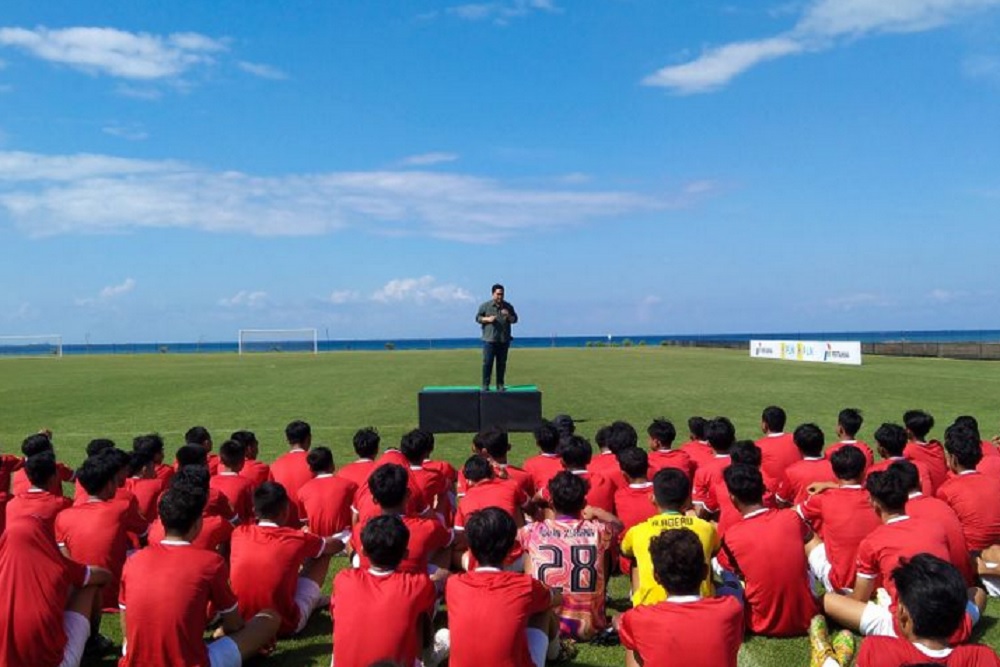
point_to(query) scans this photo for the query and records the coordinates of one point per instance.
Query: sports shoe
(819, 642)
(438, 652)
(567, 650)
(501, 387)
(485, 387)
(844, 647)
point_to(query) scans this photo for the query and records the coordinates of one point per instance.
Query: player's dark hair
(774, 418)
(193, 475)
(575, 452)
(496, 443)
(696, 426)
(40, 469)
(366, 442)
(388, 484)
(118, 459)
(179, 508)
(969, 422)
(191, 455)
(564, 425)
(568, 492)
(36, 443)
(320, 460)
(634, 462)
(848, 463)
(247, 438)
(233, 454)
(140, 460)
(745, 451)
(197, 435)
(96, 472)
(491, 533)
(678, 561)
(891, 438)
(671, 488)
(850, 420)
(477, 468)
(98, 445)
(416, 445)
(934, 594)
(621, 436)
(269, 501)
(601, 437)
(888, 489)
(918, 422)
(908, 474)
(151, 442)
(964, 444)
(720, 433)
(662, 430)
(546, 437)
(809, 439)
(744, 483)
(297, 432)
(384, 540)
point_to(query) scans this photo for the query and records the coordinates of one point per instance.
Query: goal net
(47, 345)
(278, 340)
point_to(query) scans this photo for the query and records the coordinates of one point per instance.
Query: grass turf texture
(80, 398)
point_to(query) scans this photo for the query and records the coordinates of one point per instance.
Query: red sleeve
(427, 596)
(76, 572)
(221, 594)
(312, 545)
(541, 596)
(522, 498)
(701, 491)
(460, 517)
(625, 631)
(811, 509)
(866, 563)
(133, 522)
(61, 530)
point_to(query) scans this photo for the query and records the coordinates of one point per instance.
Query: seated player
(891, 439)
(777, 448)
(366, 443)
(434, 486)
(840, 516)
(812, 466)
(612, 441)
(166, 591)
(254, 469)
(276, 567)
(742, 452)
(94, 447)
(634, 501)
(195, 456)
(849, 422)
(37, 443)
(40, 470)
(430, 542)
(228, 481)
(381, 611)
(721, 435)
(143, 483)
(672, 494)
(515, 607)
(496, 447)
(675, 631)
(199, 435)
(697, 447)
(990, 464)
(767, 551)
(572, 552)
(929, 452)
(932, 608)
(485, 490)
(45, 598)
(153, 443)
(446, 469)
(216, 532)
(973, 496)
(576, 454)
(291, 469)
(546, 464)
(326, 499)
(661, 437)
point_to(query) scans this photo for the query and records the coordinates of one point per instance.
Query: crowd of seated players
(495, 564)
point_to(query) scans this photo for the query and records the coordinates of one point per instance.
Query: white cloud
(245, 299)
(421, 290)
(945, 296)
(982, 67)
(822, 24)
(116, 53)
(263, 71)
(109, 293)
(428, 159)
(51, 195)
(501, 13)
(340, 297)
(129, 131)
(849, 302)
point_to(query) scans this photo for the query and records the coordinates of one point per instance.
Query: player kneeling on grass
(674, 631)
(275, 567)
(498, 618)
(400, 602)
(166, 589)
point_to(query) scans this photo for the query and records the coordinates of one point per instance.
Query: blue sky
(179, 171)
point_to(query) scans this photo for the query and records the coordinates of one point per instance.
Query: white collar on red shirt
(751, 515)
(324, 475)
(550, 455)
(380, 573)
(267, 524)
(607, 452)
(580, 472)
(848, 442)
(487, 569)
(897, 519)
(850, 486)
(722, 456)
(35, 489)
(933, 652)
(227, 473)
(176, 543)
(367, 460)
(296, 450)
(812, 458)
(640, 485)
(775, 435)
(969, 472)
(915, 494)
(683, 599)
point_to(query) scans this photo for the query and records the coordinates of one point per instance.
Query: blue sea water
(944, 336)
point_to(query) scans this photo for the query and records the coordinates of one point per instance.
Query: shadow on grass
(983, 627)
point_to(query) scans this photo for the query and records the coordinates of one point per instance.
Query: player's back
(357, 471)
(256, 471)
(902, 537)
(843, 517)
(898, 652)
(931, 454)
(937, 511)
(238, 490)
(975, 497)
(706, 632)
(327, 500)
(147, 494)
(542, 468)
(798, 476)
(777, 452)
(862, 446)
(671, 458)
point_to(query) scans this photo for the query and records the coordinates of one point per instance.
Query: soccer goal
(38, 345)
(278, 340)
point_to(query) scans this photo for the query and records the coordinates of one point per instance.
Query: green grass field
(80, 398)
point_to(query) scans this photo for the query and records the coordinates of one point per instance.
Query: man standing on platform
(495, 316)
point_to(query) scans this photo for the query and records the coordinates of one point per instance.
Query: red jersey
(490, 493)
(779, 601)
(445, 507)
(975, 498)
(799, 475)
(395, 457)
(990, 465)
(699, 451)
(926, 485)
(96, 533)
(8, 464)
(674, 632)
(358, 471)
(238, 490)
(777, 452)
(843, 517)
(504, 473)
(398, 600)
(446, 469)
(39, 503)
(432, 484)
(543, 468)
(900, 537)
(163, 472)
(671, 458)
(327, 504)
(427, 537)
(165, 594)
(708, 476)
(897, 652)
(500, 601)
(635, 504)
(937, 511)
(860, 444)
(147, 494)
(606, 463)
(64, 473)
(366, 507)
(215, 531)
(931, 454)
(36, 581)
(264, 569)
(256, 471)
(292, 471)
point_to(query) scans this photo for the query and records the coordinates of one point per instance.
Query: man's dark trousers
(497, 351)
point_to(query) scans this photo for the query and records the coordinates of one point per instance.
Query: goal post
(278, 340)
(35, 345)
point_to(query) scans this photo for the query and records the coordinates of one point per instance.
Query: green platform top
(476, 388)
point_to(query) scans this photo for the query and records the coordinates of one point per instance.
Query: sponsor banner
(826, 352)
